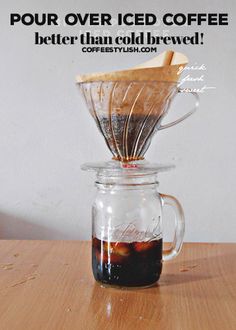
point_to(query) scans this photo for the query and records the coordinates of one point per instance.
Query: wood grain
(49, 285)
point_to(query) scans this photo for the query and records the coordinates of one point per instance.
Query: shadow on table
(193, 270)
(182, 278)
(12, 227)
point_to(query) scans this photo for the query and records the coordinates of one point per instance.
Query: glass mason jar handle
(179, 226)
(187, 114)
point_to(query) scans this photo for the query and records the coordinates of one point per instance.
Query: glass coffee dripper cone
(129, 113)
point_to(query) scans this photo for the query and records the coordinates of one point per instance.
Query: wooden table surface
(49, 285)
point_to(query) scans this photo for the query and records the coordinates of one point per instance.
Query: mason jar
(127, 234)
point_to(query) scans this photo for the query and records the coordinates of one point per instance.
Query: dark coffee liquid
(127, 264)
(128, 137)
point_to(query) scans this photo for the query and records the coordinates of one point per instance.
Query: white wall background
(46, 132)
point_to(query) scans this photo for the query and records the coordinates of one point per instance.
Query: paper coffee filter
(163, 67)
(168, 57)
(125, 97)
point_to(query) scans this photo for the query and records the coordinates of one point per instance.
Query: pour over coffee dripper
(129, 113)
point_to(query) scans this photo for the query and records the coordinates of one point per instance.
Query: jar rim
(155, 183)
